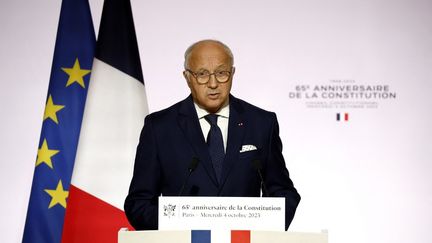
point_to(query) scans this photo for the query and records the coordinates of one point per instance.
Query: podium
(187, 236)
(221, 220)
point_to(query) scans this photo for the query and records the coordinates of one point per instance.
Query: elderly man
(225, 141)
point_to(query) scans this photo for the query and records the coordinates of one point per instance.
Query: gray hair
(191, 47)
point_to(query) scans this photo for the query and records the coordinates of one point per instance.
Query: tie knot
(212, 119)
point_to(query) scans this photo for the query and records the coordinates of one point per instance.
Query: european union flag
(70, 74)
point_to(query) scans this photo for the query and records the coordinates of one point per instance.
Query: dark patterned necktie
(215, 144)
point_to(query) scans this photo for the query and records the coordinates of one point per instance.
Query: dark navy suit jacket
(171, 138)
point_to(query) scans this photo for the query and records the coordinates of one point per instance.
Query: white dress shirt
(222, 122)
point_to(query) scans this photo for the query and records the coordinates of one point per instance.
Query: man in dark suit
(224, 140)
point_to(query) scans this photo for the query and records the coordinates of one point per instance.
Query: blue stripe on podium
(200, 236)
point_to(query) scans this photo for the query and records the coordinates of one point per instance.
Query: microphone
(192, 166)
(257, 166)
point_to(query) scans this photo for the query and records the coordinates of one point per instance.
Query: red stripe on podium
(89, 219)
(240, 236)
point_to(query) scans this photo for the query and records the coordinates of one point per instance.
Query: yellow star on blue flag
(51, 110)
(58, 195)
(45, 154)
(76, 74)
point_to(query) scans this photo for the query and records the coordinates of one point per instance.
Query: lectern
(221, 220)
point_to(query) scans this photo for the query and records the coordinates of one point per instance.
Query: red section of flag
(240, 236)
(346, 116)
(89, 219)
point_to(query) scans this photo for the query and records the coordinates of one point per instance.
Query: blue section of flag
(75, 43)
(200, 236)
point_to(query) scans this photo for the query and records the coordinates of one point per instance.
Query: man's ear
(185, 75)
(233, 71)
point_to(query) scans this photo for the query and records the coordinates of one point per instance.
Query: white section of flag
(113, 118)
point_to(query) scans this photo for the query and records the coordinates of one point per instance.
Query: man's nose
(212, 83)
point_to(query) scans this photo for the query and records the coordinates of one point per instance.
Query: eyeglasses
(203, 77)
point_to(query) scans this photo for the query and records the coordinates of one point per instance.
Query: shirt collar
(224, 112)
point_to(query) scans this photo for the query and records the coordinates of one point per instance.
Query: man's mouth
(213, 95)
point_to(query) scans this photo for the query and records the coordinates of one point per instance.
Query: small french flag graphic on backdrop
(342, 117)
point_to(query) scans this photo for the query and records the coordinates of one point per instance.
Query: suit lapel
(188, 122)
(236, 130)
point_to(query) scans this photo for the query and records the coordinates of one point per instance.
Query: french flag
(339, 116)
(113, 117)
